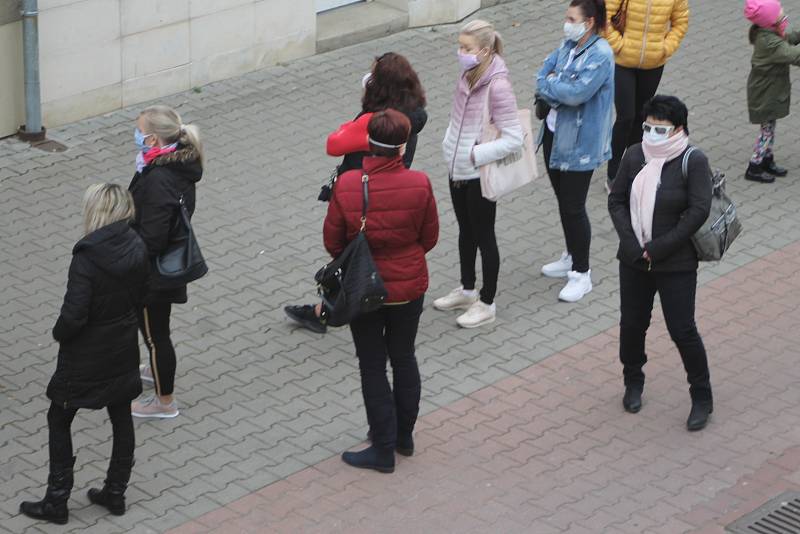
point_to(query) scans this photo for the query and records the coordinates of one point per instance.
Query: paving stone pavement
(550, 449)
(261, 400)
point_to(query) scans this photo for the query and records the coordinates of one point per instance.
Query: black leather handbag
(350, 285)
(182, 262)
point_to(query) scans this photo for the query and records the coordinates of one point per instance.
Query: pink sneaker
(152, 407)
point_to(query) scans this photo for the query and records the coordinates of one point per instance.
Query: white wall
(100, 55)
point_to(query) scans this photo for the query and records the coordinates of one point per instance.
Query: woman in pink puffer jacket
(484, 75)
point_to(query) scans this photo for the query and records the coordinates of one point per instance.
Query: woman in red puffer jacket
(402, 225)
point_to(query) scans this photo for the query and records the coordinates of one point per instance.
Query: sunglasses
(660, 129)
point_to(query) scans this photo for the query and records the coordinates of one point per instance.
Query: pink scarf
(645, 185)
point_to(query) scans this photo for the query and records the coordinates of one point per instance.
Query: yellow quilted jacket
(653, 31)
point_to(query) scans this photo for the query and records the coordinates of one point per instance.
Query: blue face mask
(139, 138)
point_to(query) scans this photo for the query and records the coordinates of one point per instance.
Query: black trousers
(476, 217)
(59, 422)
(389, 332)
(677, 293)
(632, 89)
(154, 324)
(571, 189)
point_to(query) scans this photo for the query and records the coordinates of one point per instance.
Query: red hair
(389, 127)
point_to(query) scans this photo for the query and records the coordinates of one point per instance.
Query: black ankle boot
(755, 173)
(698, 417)
(405, 445)
(306, 316)
(53, 507)
(112, 496)
(769, 166)
(380, 460)
(632, 400)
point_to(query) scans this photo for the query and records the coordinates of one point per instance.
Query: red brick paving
(551, 450)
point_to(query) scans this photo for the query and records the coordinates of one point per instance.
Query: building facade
(100, 55)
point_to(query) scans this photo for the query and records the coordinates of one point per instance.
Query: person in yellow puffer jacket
(653, 32)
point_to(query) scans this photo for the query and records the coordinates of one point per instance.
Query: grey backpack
(722, 226)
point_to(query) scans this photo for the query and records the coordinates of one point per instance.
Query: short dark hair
(389, 127)
(668, 108)
(593, 9)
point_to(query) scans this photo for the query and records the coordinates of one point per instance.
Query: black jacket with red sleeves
(156, 192)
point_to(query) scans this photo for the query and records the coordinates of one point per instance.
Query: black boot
(306, 317)
(112, 496)
(698, 417)
(769, 166)
(405, 445)
(53, 507)
(756, 173)
(632, 400)
(371, 458)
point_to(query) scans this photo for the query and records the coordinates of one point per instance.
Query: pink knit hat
(763, 13)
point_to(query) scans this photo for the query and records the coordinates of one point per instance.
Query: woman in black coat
(98, 357)
(169, 164)
(656, 210)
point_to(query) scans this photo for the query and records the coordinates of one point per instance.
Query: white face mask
(573, 31)
(655, 139)
(365, 79)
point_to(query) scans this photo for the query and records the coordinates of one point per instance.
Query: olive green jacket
(768, 86)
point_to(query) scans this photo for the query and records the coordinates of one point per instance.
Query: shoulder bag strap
(685, 162)
(365, 204)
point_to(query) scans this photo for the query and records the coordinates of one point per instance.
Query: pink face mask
(468, 61)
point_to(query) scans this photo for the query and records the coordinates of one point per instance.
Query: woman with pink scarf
(656, 210)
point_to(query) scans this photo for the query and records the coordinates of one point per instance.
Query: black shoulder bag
(182, 262)
(350, 285)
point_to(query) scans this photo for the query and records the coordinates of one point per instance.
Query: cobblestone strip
(551, 449)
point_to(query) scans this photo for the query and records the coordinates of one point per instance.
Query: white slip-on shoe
(558, 268)
(477, 315)
(578, 285)
(457, 298)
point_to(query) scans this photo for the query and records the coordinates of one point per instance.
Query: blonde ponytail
(165, 123)
(498, 44)
(485, 34)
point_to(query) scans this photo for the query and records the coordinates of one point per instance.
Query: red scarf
(156, 151)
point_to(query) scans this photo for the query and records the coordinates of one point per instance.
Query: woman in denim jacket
(577, 81)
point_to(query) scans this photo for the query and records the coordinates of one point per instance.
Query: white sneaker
(477, 315)
(457, 298)
(578, 285)
(146, 374)
(559, 268)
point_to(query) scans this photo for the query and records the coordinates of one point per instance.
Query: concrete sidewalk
(261, 400)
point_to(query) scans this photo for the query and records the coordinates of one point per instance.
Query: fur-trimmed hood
(185, 162)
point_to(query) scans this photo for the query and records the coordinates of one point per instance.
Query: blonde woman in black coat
(98, 356)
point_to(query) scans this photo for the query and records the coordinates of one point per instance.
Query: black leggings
(389, 332)
(154, 324)
(59, 422)
(571, 188)
(476, 216)
(632, 89)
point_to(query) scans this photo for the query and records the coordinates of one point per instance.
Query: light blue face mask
(139, 138)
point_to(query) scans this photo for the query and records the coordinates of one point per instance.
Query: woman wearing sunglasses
(656, 210)
(577, 80)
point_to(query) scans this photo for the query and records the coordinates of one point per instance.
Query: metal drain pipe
(32, 130)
